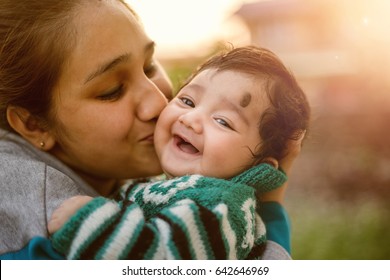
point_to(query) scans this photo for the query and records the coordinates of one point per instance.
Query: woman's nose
(162, 81)
(152, 102)
(192, 120)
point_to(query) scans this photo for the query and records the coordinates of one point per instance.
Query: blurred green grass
(339, 230)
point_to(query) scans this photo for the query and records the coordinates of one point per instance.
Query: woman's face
(106, 103)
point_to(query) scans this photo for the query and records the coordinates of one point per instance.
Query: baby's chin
(174, 172)
(171, 175)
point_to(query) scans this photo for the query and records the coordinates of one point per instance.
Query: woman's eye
(223, 123)
(187, 102)
(150, 70)
(112, 95)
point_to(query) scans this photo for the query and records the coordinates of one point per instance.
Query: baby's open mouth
(185, 146)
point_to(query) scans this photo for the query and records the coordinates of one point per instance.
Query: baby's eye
(187, 101)
(223, 123)
(150, 69)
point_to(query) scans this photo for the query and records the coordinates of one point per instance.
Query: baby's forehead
(252, 90)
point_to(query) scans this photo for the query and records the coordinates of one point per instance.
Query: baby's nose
(192, 121)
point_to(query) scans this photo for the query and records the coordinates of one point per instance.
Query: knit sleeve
(102, 230)
(106, 229)
(205, 219)
(262, 177)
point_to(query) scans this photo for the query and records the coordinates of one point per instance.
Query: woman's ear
(271, 161)
(30, 128)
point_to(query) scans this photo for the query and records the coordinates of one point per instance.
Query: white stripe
(248, 208)
(123, 235)
(165, 238)
(138, 188)
(260, 227)
(186, 215)
(159, 198)
(91, 224)
(227, 231)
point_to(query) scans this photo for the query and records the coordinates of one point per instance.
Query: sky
(180, 27)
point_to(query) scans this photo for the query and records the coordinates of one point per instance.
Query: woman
(80, 93)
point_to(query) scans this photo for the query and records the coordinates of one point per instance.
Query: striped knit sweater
(189, 217)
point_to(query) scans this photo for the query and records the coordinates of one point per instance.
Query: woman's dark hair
(289, 113)
(36, 38)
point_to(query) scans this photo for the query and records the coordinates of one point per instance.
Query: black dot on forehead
(246, 99)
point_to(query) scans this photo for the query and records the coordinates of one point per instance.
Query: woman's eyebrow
(107, 66)
(149, 48)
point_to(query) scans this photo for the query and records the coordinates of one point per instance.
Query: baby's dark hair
(289, 113)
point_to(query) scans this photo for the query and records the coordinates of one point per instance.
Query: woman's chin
(152, 171)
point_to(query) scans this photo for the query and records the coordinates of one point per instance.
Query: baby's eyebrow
(246, 99)
(195, 87)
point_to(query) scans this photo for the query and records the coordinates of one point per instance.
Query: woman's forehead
(103, 36)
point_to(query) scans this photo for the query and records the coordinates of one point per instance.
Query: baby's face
(211, 126)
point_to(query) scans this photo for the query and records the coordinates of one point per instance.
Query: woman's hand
(293, 150)
(66, 210)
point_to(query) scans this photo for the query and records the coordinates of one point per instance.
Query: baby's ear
(29, 127)
(271, 161)
(263, 177)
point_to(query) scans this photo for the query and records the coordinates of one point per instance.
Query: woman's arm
(39, 248)
(277, 223)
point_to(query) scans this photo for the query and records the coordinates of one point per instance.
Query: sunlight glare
(180, 26)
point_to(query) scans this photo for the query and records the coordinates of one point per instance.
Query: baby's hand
(63, 213)
(293, 150)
